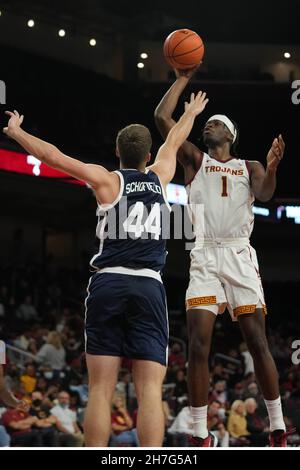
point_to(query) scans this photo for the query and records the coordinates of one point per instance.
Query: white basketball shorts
(225, 274)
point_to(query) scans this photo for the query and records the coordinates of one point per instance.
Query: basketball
(183, 49)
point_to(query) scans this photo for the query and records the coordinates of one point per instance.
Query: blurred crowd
(41, 320)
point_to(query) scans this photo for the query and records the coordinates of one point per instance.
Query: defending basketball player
(224, 269)
(126, 311)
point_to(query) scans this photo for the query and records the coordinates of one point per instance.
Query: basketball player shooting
(126, 311)
(224, 269)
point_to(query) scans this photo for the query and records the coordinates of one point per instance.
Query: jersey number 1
(224, 186)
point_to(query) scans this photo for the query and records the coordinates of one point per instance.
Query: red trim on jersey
(248, 165)
(196, 169)
(222, 161)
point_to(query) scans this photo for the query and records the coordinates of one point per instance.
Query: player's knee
(258, 346)
(148, 391)
(101, 390)
(198, 348)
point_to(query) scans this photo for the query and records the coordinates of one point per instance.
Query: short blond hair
(235, 406)
(54, 339)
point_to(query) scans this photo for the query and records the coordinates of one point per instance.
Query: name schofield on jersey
(142, 186)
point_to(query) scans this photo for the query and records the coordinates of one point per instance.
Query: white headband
(229, 124)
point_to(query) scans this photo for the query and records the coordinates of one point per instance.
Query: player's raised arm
(95, 175)
(165, 162)
(188, 153)
(263, 182)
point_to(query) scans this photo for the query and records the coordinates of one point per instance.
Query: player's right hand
(197, 103)
(14, 122)
(187, 73)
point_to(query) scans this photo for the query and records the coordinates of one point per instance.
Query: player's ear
(117, 152)
(148, 158)
(229, 136)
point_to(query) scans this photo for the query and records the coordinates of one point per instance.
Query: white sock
(199, 416)
(275, 414)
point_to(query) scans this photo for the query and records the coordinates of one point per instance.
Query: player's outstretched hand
(15, 121)
(276, 152)
(197, 103)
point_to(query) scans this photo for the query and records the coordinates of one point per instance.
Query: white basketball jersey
(224, 190)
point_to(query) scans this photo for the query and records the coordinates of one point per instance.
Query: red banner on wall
(17, 162)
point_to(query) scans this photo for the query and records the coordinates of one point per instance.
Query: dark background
(81, 109)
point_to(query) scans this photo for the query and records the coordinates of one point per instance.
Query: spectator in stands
(218, 373)
(46, 423)
(123, 434)
(20, 426)
(237, 393)
(219, 392)
(53, 392)
(4, 437)
(82, 389)
(8, 399)
(41, 385)
(53, 354)
(27, 311)
(181, 427)
(176, 357)
(288, 384)
(255, 424)
(235, 368)
(252, 390)
(247, 359)
(222, 435)
(125, 387)
(12, 377)
(237, 423)
(214, 416)
(72, 347)
(70, 434)
(249, 379)
(23, 340)
(28, 379)
(32, 348)
(40, 336)
(180, 390)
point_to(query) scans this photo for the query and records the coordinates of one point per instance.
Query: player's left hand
(275, 153)
(197, 103)
(14, 122)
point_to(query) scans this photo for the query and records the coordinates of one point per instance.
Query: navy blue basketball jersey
(132, 231)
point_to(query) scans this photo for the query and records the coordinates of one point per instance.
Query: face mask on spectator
(64, 406)
(48, 375)
(37, 402)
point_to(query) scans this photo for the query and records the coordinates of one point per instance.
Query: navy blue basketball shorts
(126, 316)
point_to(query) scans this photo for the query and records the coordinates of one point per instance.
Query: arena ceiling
(237, 21)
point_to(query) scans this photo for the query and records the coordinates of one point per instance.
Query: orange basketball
(183, 49)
